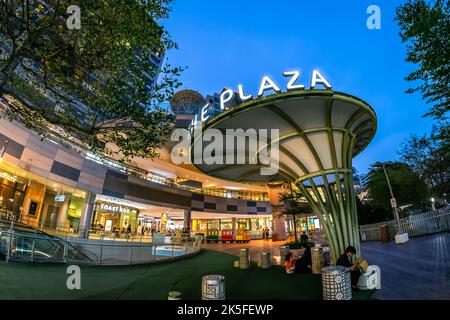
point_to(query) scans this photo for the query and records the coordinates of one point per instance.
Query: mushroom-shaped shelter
(319, 133)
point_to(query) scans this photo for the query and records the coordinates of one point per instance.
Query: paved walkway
(255, 248)
(419, 269)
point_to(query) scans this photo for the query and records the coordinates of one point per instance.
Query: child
(290, 263)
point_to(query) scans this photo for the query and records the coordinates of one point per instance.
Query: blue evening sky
(225, 43)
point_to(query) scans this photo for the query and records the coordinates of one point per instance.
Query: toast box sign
(266, 85)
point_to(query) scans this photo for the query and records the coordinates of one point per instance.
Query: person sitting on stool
(344, 260)
(289, 264)
(303, 264)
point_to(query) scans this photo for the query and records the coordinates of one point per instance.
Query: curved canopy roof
(186, 102)
(320, 131)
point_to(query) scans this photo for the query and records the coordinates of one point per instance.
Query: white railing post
(172, 247)
(66, 248)
(101, 254)
(8, 253)
(32, 250)
(131, 257)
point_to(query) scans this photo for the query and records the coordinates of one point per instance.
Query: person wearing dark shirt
(302, 265)
(344, 260)
(304, 237)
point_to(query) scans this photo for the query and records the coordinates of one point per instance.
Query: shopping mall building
(54, 185)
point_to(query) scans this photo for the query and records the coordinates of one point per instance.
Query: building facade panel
(13, 148)
(37, 160)
(226, 205)
(89, 187)
(65, 171)
(44, 147)
(14, 131)
(69, 159)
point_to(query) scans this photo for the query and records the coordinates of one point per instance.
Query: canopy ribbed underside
(320, 131)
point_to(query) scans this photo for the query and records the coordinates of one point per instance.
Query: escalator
(24, 243)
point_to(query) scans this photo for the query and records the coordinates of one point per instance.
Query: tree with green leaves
(425, 27)
(368, 213)
(408, 188)
(295, 204)
(429, 157)
(96, 84)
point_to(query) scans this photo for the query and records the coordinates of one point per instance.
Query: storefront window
(199, 225)
(12, 189)
(38, 201)
(213, 225)
(147, 222)
(59, 206)
(254, 225)
(112, 217)
(243, 224)
(307, 223)
(74, 213)
(226, 224)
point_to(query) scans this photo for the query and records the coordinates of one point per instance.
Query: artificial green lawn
(39, 281)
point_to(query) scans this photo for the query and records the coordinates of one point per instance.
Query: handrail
(93, 252)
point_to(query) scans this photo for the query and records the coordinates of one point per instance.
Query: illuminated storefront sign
(60, 198)
(6, 176)
(115, 217)
(116, 208)
(266, 84)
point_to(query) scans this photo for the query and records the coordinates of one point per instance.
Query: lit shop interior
(224, 222)
(112, 215)
(304, 223)
(116, 215)
(39, 201)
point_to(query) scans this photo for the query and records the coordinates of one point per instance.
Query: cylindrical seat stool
(284, 250)
(318, 261)
(244, 261)
(213, 287)
(174, 295)
(265, 260)
(336, 283)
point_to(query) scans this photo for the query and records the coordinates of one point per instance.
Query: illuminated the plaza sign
(267, 84)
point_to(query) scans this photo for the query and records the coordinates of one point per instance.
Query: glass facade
(254, 226)
(38, 201)
(12, 192)
(115, 218)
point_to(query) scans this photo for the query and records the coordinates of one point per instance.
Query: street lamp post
(401, 236)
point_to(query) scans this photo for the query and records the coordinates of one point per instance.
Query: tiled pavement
(419, 269)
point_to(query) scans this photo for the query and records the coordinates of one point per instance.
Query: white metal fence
(414, 225)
